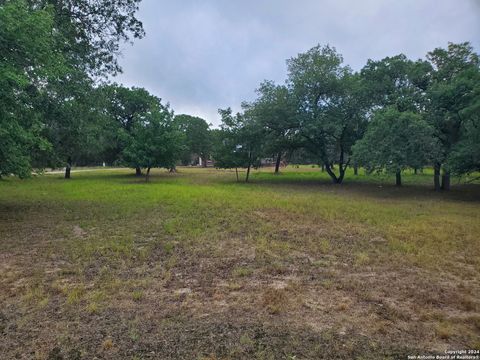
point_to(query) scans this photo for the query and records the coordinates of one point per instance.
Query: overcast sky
(203, 55)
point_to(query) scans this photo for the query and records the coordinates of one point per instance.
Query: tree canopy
(53, 53)
(396, 140)
(241, 144)
(275, 112)
(153, 141)
(27, 62)
(198, 140)
(331, 113)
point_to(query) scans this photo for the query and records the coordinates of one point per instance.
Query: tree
(225, 152)
(88, 35)
(454, 80)
(274, 110)
(126, 107)
(46, 79)
(396, 82)
(92, 31)
(198, 139)
(241, 144)
(26, 64)
(331, 113)
(153, 142)
(74, 124)
(465, 155)
(395, 141)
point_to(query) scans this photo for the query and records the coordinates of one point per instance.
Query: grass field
(193, 265)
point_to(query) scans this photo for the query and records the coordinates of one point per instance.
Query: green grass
(289, 262)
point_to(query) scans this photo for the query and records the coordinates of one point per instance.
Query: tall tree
(73, 123)
(127, 107)
(242, 143)
(396, 82)
(93, 31)
(225, 150)
(26, 63)
(88, 34)
(454, 80)
(465, 155)
(394, 141)
(274, 110)
(331, 114)
(198, 140)
(154, 141)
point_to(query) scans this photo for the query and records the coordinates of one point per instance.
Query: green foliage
(92, 31)
(241, 143)
(225, 151)
(395, 141)
(198, 139)
(26, 63)
(331, 112)
(396, 81)
(49, 109)
(275, 111)
(125, 108)
(74, 123)
(465, 155)
(453, 102)
(153, 141)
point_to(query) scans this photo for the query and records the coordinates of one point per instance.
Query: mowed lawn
(193, 265)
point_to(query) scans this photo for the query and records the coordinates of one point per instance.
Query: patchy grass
(195, 265)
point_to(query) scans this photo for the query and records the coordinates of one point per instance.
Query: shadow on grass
(128, 177)
(374, 187)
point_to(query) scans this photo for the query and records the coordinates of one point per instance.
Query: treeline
(57, 109)
(53, 56)
(393, 114)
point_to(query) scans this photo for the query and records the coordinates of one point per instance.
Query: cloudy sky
(210, 54)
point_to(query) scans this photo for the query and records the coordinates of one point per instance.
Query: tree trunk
(415, 171)
(173, 169)
(331, 173)
(138, 171)
(323, 167)
(341, 169)
(204, 162)
(446, 180)
(236, 172)
(147, 175)
(248, 172)
(436, 177)
(398, 178)
(277, 163)
(68, 168)
(355, 169)
(342, 173)
(249, 166)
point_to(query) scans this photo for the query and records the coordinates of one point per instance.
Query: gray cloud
(202, 55)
